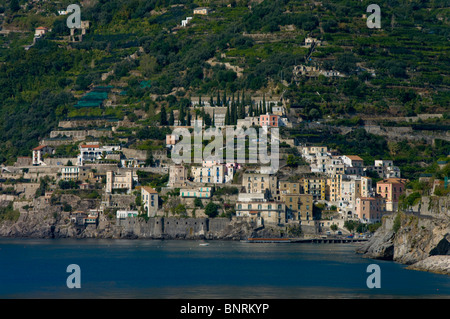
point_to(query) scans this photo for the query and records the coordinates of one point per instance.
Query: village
(325, 191)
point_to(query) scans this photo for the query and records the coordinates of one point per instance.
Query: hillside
(241, 48)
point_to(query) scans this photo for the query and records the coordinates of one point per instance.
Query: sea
(195, 269)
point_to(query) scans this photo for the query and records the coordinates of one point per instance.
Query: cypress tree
(163, 116)
(171, 118)
(189, 117)
(182, 116)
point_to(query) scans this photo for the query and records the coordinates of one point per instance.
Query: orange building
(269, 120)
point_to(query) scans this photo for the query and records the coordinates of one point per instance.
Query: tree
(14, 5)
(163, 116)
(292, 160)
(148, 64)
(334, 227)
(171, 118)
(212, 210)
(198, 202)
(350, 225)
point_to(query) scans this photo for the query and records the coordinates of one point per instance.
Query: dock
(331, 240)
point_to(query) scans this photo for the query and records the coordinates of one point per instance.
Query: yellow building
(259, 183)
(333, 188)
(298, 206)
(315, 186)
(273, 212)
(290, 187)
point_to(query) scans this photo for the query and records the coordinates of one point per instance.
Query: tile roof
(149, 190)
(354, 157)
(39, 147)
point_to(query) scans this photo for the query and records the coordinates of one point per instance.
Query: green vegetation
(9, 213)
(397, 222)
(399, 70)
(359, 227)
(212, 209)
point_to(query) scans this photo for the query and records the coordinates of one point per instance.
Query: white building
(150, 200)
(353, 164)
(212, 173)
(123, 180)
(385, 169)
(94, 152)
(185, 22)
(40, 31)
(200, 192)
(70, 173)
(39, 152)
(351, 188)
(122, 214)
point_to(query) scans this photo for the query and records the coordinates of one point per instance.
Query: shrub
(212, 210)
(397, 223)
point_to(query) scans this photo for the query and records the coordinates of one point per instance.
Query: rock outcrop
(410, 239)
(435, 264)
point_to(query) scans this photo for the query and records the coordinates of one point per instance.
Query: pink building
(269, 120)
(391, 189)
(370, 209)
(171, 139)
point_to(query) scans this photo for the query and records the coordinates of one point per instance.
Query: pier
(330, 240)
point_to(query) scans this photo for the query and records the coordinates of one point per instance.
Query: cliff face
(410, 239)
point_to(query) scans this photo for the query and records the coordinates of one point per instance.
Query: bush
(8, 213)
(212, 210)
(198, 203)
(397, 223)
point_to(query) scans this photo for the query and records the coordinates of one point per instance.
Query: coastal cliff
(45, 220)
(421, 242)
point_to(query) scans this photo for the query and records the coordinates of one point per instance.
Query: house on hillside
(40, 31)
(39, 152)
(202, 10)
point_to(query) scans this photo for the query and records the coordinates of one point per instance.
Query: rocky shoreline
(51, 221)
(419, 242)
(435, 264)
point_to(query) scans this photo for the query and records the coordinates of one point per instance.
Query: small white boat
(204, 244)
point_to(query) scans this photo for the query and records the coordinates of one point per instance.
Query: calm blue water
(31, 268)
